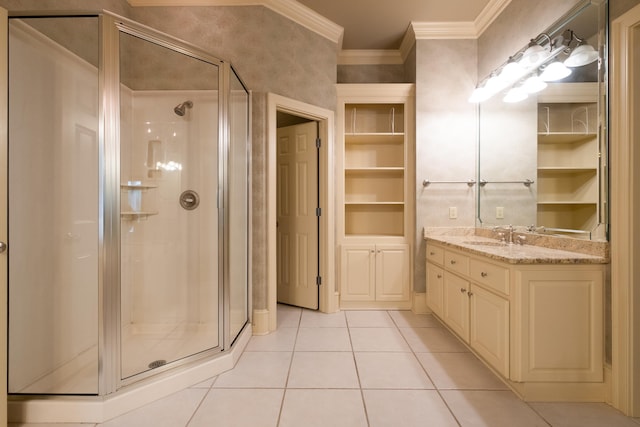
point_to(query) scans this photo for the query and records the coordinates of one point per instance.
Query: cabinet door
(392, 272)
(357, 277)
(435, 288)
(489, 328)
(456, 305)
(560, 314)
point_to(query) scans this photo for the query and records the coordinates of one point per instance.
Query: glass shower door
(54, 226)
(168, 202)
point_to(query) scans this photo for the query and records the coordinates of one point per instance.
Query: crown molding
(317, 23)
(491, 11)
(291, 9)
(370, 57)
(308, 18)
(452, 30)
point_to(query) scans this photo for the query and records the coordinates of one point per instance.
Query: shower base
(98, 409)
(143, 345)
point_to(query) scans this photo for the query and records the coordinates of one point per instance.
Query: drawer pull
(453, 261)
(483, 274)
(432, 253)
(439, 276)
(463, 290)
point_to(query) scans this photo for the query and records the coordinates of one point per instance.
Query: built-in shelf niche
(374, 169)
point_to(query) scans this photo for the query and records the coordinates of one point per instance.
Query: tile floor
(358, 368)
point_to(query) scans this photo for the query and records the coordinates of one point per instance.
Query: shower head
(180, 109)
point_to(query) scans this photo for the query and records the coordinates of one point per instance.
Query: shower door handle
(3, 247)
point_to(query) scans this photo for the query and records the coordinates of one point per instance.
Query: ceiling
(360, 26)
(382, 24)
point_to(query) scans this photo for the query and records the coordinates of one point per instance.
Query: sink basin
(476, 243)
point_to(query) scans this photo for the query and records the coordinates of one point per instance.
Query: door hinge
(318, 142)
(318, 211)
(318, 280)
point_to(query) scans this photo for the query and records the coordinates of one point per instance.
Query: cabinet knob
(439, 276)
(432, 253)
(453, 261)
(372, 251)
(470, 294)
(463, 290)
(483, 274)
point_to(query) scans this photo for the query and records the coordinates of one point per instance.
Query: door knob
(3, 247)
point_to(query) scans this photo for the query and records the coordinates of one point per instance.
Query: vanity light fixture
(540, 60)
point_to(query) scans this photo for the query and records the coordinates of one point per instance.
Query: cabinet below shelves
(375, 272)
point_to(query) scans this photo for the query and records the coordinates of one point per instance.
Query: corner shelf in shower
(130, 216)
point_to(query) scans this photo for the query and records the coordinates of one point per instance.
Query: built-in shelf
(564, 137)
(375, 219)
(136, 215)
(142, 187)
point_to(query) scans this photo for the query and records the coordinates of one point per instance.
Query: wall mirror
(542, 160)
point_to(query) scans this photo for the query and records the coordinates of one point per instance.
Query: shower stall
(128, 186)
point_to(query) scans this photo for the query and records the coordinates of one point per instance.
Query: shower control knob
(189, 200)
(3, 247)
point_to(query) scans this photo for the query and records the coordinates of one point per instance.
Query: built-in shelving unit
(568, 157)
(375, 182)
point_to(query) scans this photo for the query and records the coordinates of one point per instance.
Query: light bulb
(534, 84)
(515, 94)
(581, 55)
(555, 71)
(532, 55)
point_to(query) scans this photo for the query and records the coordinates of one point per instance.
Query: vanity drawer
(456, 262)
(435, 254)
(491, 275)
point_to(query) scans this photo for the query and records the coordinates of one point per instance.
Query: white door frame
(328, 295)
(625, 206)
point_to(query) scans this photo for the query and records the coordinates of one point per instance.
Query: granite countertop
(513, 254)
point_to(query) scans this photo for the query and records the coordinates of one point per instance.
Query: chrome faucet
(505, 233)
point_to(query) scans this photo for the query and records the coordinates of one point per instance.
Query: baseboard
(419, 305)
(260, 322)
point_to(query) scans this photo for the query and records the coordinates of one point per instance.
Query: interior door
(297, 200)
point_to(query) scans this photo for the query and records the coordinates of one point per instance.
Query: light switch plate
(453, 212)
(500, 212)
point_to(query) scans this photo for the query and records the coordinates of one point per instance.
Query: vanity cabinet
(375, 272)
(375, 192)
(473, 309)
(568, 156)
(540, 326)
